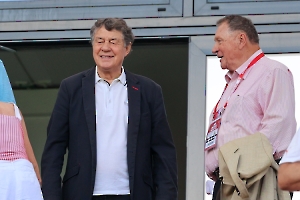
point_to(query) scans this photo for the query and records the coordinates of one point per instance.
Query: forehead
(105, 34)
(223, 31)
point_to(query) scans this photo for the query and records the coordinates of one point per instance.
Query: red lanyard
(241, 76)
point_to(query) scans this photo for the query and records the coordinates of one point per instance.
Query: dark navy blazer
(151, 155)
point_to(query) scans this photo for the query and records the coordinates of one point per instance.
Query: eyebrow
(100, 38)
(217, 38)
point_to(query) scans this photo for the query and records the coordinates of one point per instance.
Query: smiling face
(227, 47)
(109, 50)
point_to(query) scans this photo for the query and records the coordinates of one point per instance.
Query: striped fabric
(264, 102)
(11, 139)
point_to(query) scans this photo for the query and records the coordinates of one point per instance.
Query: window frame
(241, 7)
(37, 10)
(199, 48)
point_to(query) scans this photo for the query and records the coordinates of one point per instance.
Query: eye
(112, 41)
(99, 41)
(219, 41)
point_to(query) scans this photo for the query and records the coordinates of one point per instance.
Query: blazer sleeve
(55, 147)
(163, 150)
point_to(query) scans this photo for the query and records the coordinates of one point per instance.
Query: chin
(104, 68)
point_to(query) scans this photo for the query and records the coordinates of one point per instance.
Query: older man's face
(109, 49)
(226, 47)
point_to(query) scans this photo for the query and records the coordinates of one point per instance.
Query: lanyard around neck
(241, 76)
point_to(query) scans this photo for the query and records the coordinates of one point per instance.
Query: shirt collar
(242, 68)
(121, 78)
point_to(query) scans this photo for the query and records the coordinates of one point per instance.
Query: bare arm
(30, 152)
(289, 176)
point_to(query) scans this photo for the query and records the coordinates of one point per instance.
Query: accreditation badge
(212, 134)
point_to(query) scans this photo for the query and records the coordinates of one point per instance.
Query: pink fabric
(264, 102)
(11, 139)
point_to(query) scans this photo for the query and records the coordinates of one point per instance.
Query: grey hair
(114, 24)
(239, 23)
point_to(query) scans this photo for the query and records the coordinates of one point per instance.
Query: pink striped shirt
(264, 102)
(12, 145)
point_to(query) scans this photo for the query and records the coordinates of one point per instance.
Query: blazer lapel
(88, 96)
(134, 101)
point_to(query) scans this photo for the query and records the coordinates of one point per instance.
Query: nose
(105, 46)
(215, 49)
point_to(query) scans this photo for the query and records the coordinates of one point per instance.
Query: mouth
(105, 56)
(220, 57)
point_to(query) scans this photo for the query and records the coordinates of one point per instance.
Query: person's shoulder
(271, 66)
(143, 80)
(6, 108)
(79, 75)
(274, 64)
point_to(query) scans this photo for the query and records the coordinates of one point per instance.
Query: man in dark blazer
(114, 127)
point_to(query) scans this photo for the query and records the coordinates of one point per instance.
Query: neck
(108, 75)
(246, 54)
(251, 50)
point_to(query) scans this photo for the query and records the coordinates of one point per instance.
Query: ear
(242, 39)
(128, 49)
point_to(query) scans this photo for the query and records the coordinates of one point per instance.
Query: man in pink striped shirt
(258, 97)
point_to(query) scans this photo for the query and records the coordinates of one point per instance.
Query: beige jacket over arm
(248, 170)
